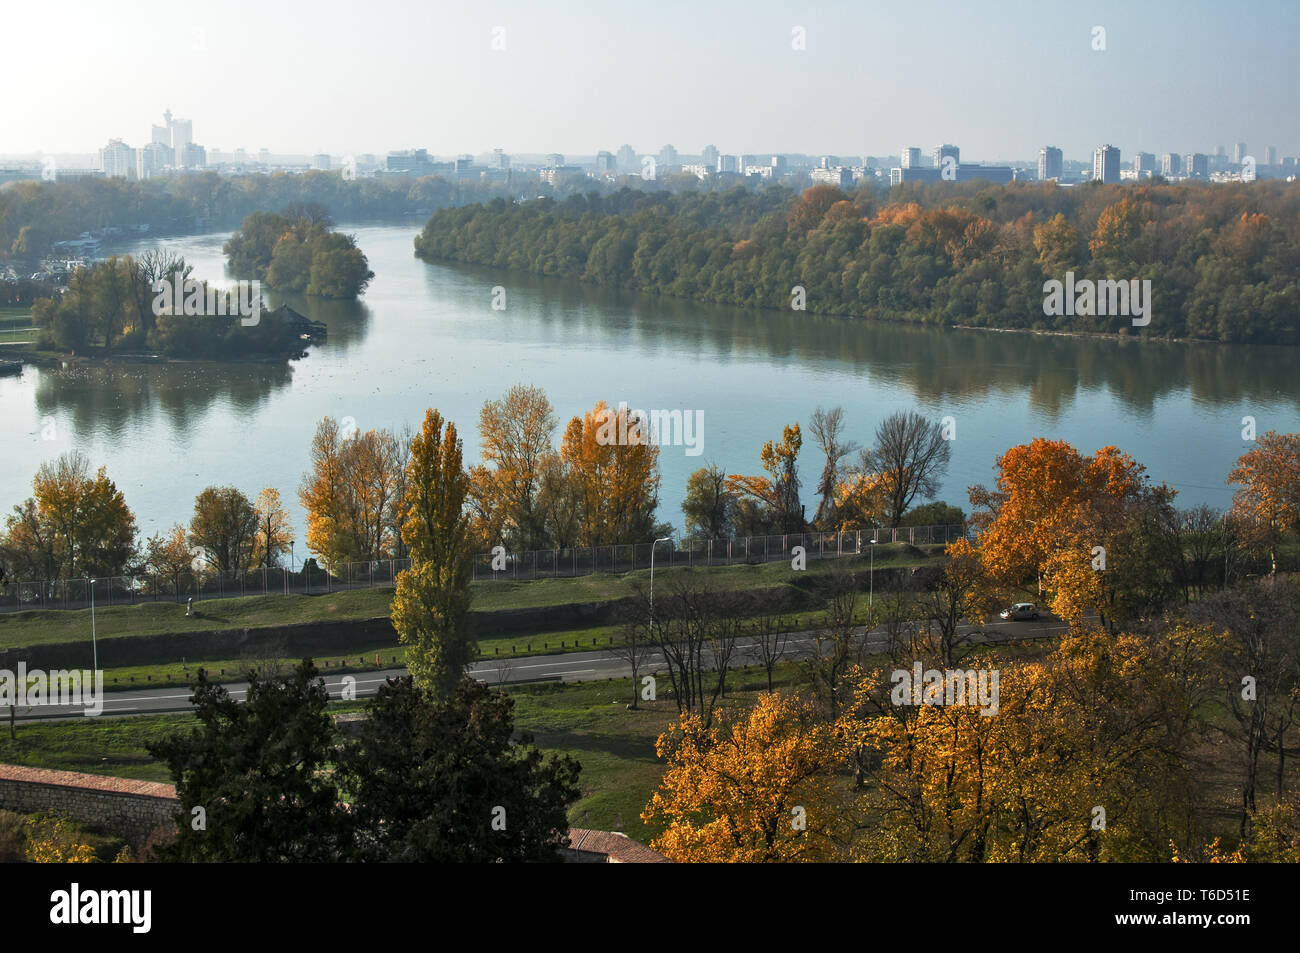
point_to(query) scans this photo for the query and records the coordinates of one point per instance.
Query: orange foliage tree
(1269, 498)
(755, 786)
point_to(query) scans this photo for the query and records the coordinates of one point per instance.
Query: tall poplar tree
(431, 603)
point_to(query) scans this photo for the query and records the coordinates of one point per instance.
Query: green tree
(252, 779)
(430, 608)
(445, 782)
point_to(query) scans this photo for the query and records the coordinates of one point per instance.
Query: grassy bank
(41, 627)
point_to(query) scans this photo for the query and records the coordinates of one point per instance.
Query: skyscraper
(910, 157)
(1105, 164)
(1197, 165)
(1239, 153)
(709, 156)
(118, 159)
(1270, 155)
(943, 152)
(1171, 164)
(1144, 163)
(1049, 163)
(627, 159)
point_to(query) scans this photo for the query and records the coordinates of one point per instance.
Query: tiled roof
(617, 848)
(93, 782)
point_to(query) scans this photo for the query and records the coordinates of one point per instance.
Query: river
(427, 335)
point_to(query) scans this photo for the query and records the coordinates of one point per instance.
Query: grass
(41, 627)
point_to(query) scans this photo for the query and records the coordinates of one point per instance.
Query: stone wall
(130, 809)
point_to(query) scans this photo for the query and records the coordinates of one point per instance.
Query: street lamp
(93, 641)
(664, 539)
(871, 598)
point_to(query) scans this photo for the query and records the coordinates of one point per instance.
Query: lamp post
(664, 539)
(93, 641)
(871, 598)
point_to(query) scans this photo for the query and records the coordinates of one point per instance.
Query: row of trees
(296, 251)
(34, 215)
(77, 524)
(877, 488)
(1222, 261)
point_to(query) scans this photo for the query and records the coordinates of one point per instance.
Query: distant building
(1196, 165)
(667, 156)
(117, 159)
(699, 170)
(409, 162)
(152, 159)
(910, 157)
(1049, 163)
(320, 162)
(605, 162)
(1270, 155)
(709, 156)
(1105, 164)
(193, 156)
(728, 163)
(1239, 153)
(558, 174)
(998, 174)
(1171, 164)
(839, 176)
(1144, 164)
(943, 152)
(554, 160)
(627, 161)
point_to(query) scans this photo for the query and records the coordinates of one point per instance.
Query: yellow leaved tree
(755, 786)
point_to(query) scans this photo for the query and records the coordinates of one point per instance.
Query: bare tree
(826, 427)
(634, 646)
(911, 456)
(771, 642)
(696, 629)
(835, 646)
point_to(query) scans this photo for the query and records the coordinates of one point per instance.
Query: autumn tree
(826, 427)
(274, 529)
(1057, 517)
(75, 524)
(755, 786)
(616, 470)
(169, 558)
(1269, 498)
(431, 603)
(515, 433)
(352, 494)
(709, 504)
(224, 526)
(1257, 659)
(778, 492)
(910, 456)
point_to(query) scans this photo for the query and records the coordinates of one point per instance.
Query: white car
(1020, 611)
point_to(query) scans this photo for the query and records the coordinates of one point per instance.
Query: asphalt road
(571, 667)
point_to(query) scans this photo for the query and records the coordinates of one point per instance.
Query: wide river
(427, 336)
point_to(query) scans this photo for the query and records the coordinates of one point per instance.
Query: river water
(427, 335)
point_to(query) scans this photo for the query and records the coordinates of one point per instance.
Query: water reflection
(1054, 372)
(110, 398)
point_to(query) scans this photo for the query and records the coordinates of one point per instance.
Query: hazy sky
(998, 78)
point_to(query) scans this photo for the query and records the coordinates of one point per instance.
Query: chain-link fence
(500, 564)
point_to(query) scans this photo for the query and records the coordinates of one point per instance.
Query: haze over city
(999, 79)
